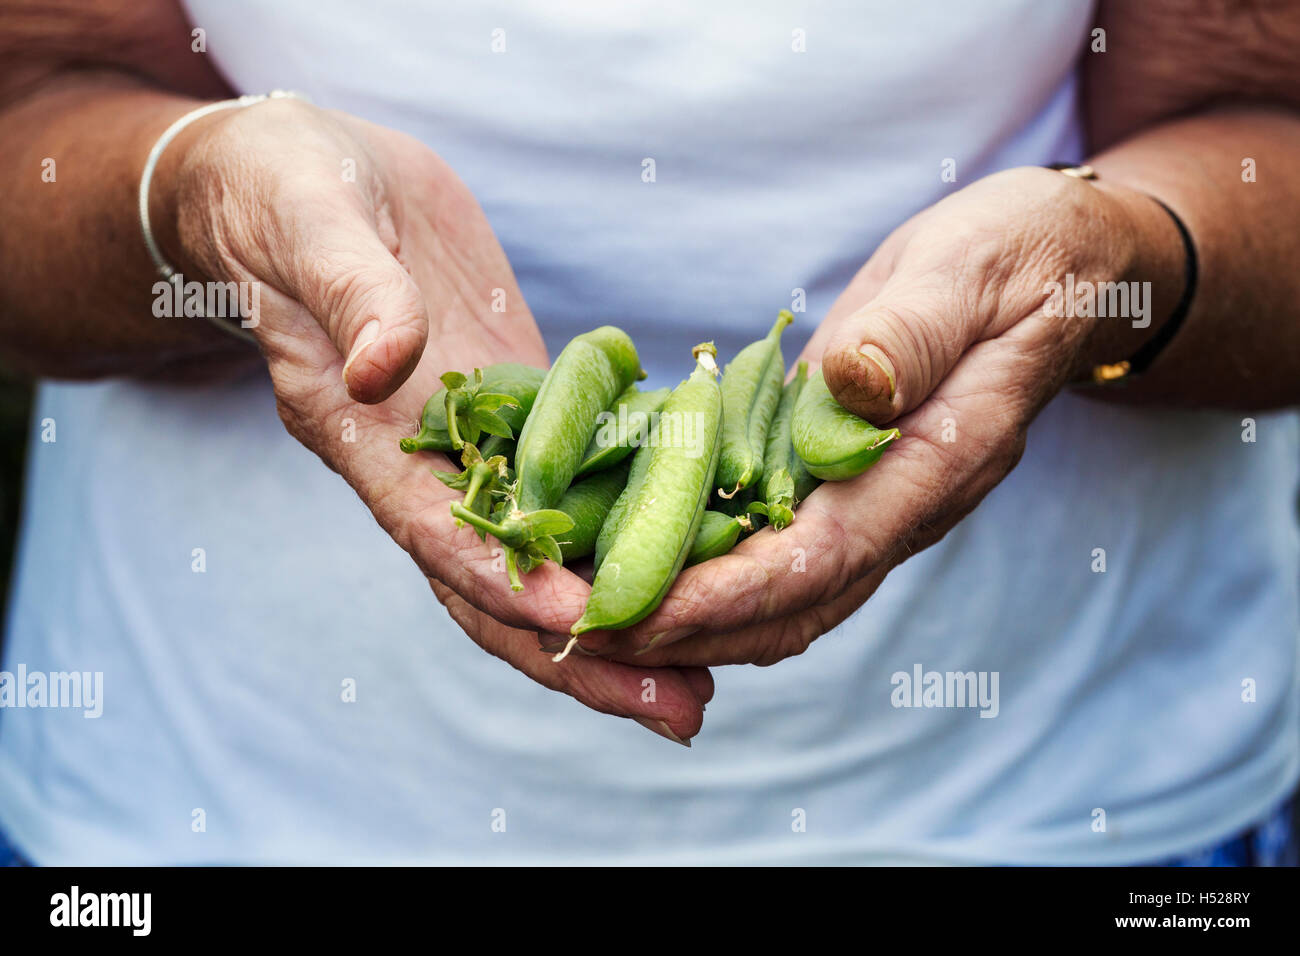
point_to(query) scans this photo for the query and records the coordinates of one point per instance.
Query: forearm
(76, 295)
(1240, 344)
(80, 104)
(1168, 110)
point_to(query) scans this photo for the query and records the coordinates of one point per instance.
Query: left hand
(961, 356)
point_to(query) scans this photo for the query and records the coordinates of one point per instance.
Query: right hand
(372, 285)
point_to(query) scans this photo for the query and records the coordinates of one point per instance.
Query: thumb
(367, 303)
(885, 358)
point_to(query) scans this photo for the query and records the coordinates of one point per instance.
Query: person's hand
(378, 271)
(943, 333)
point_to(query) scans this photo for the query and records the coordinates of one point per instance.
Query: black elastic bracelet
(1143, 357)
(1120, 372)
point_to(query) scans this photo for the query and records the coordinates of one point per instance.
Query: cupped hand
(377, 271)
(948, 334)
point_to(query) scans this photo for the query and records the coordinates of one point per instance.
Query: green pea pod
(433, 435)
(718, 534)
(832, 442)
(592, 370)
(662, 521)
(474, 401)
(621, 428)
(588, 503)
(751, 389)
(617, 514)
(786, 479)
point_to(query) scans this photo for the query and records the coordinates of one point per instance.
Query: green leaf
(491, 401)
(490, 422)
(457, 481)
(526, 560)
(545, 547)
(780, 487)
(454, 380)
(548, 522)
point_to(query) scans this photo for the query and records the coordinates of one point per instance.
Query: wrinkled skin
(953, 302)
(373, 287)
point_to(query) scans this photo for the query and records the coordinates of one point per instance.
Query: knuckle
(972, 239)
(794, 637)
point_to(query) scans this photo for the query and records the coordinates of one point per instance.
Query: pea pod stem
(472, 408)
(480, 480)
(512, 569)
(528, 534)
(414, 443)
(478, 473)
(455, 408)
(518, 527)
(564, 652)
(506, 534)
(736, 504)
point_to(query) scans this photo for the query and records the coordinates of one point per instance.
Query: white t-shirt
(1160, 691)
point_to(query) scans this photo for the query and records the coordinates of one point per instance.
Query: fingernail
(661, 728)
(649, 645)
(556, 646)
(882, 362)
(365, 338)
(551, 641)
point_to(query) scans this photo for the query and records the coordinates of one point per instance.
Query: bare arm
(1187, 91)
(944, 332)
(370, 288)
(83, 85)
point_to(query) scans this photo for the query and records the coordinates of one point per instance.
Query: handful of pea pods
(577, 461)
